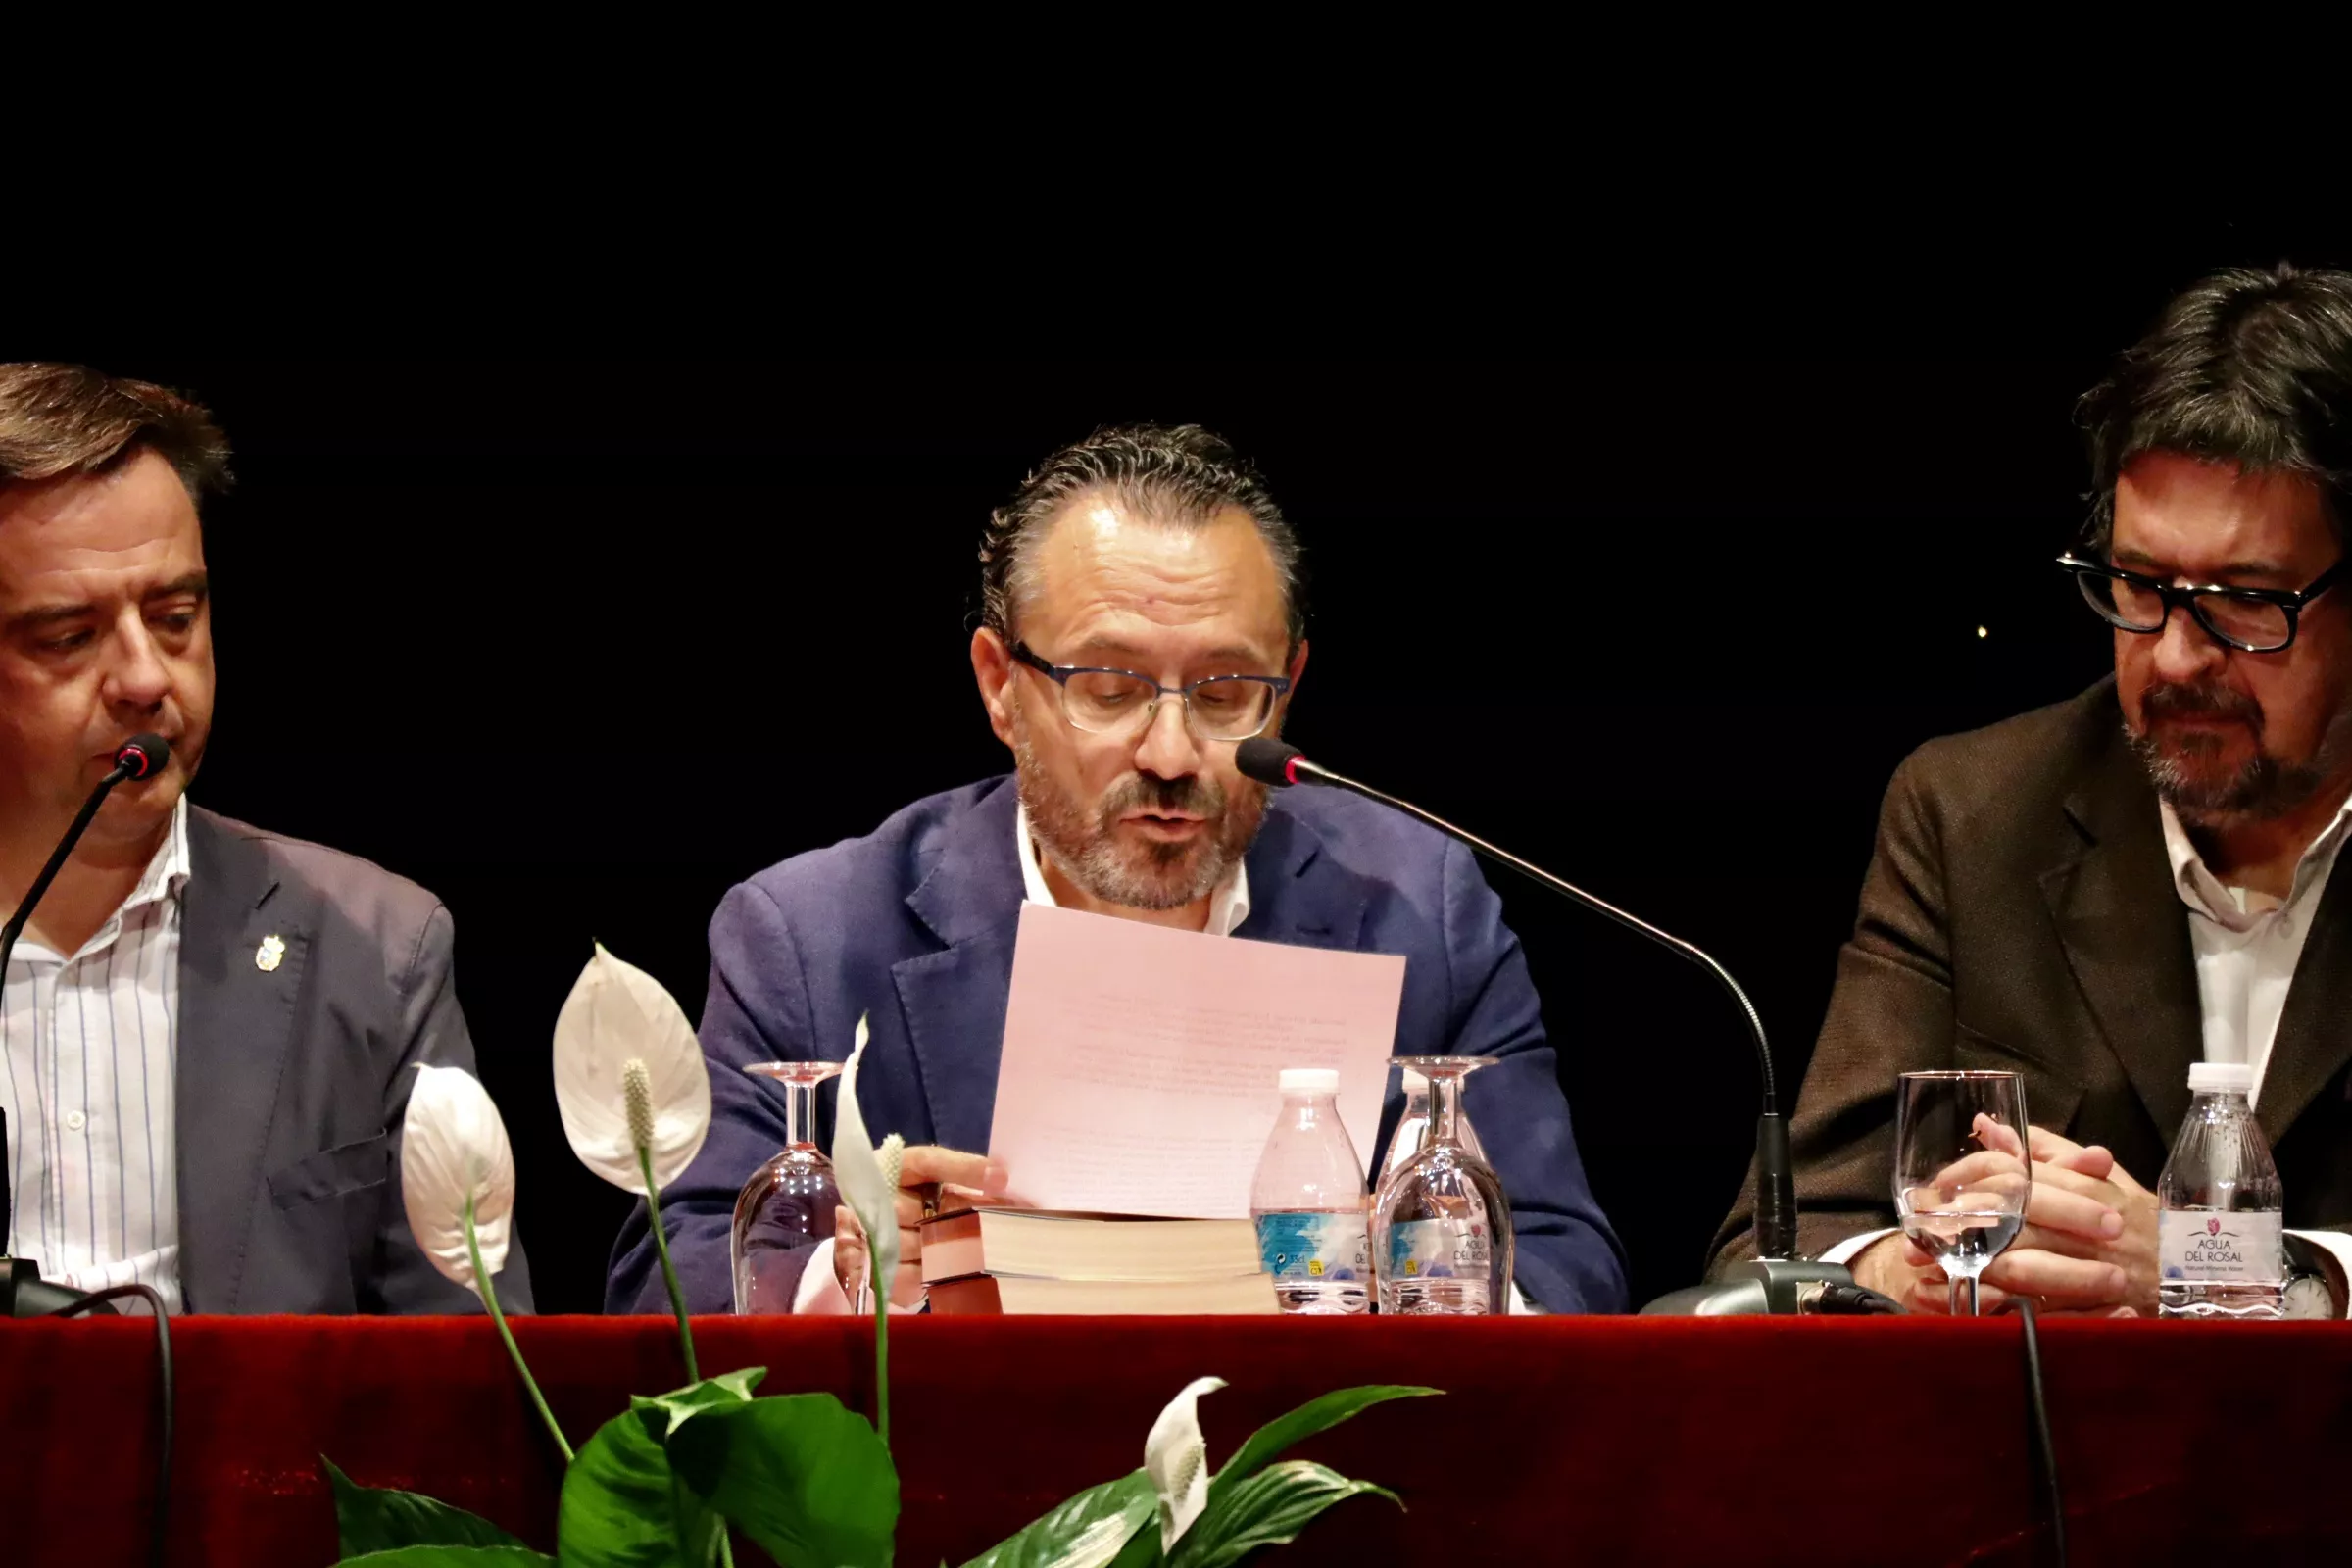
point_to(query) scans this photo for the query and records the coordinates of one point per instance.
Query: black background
(1659, 605)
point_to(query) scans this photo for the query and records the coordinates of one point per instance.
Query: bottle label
(2200, 1244)
(1440, 1249)
(1316, 1245)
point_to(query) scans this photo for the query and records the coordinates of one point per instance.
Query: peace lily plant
(803, 1476)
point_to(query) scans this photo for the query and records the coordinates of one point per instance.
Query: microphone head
(1267, 761)
(144, 756)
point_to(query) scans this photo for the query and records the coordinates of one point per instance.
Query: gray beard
(2262, 790)
(1083, 846)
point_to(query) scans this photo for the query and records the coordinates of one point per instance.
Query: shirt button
(74, 1121)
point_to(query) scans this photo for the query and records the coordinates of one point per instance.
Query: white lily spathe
(619, 1015)
(453, 1148)
(869, 1177)
(1176, 1458)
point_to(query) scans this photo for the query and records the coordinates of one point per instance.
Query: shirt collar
(2241, 908)
(1228, 905)
(167, 873)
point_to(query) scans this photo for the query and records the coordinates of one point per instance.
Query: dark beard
(1084, 846)
(2262, 789)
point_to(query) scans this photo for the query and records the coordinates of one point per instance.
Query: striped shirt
(89, 1044)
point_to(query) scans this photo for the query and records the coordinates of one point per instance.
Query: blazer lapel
(2314, 1028)
(2126, 934)
(1298, 894)
(954, 999)
(237, 1025)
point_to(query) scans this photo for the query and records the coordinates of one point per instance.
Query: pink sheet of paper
(1141, 1064)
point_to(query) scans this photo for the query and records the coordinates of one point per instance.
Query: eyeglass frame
(2173, 596)
(1059, 675)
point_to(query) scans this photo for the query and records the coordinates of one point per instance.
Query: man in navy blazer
(1137, 592)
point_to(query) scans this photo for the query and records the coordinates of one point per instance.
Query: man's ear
(991, 669)
(1297, 667)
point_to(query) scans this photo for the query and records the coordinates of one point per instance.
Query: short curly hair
(1180, 474)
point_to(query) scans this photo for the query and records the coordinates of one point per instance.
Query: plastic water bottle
(1308, 1200)
(2220, 1248)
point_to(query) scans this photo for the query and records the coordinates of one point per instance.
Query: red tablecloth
(1614, 1440)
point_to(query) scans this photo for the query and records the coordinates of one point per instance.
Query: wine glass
(1962, 1173)
(1441, 1239)
(1412, 1130)
(788, 1204)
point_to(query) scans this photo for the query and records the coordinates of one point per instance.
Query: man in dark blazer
(2100, 894)
(1156, 551)
(207, 1030)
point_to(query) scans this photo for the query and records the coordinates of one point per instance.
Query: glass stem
(800, 1113)
(489, 1294)
(1445, 1109)
(1969, 1280)
(669, 1275)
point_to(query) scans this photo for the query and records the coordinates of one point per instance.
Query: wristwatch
(2308, 1296)
(2311, 1271)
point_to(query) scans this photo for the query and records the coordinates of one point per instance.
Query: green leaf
(379, 1519)
(630, 1507)
(1266, 1510)
(622, 1506)
(1142, 1547)
(1088, 1530)
(671, 1410)
(450, 1557)
(805, 1478)
(1316, 1415)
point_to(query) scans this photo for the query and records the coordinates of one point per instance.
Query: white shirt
(2246, 945)
(90, 1041)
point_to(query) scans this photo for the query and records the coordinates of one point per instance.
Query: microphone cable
(159, 1528)
(2046, 1453)
(1838, 1299)
(1843, 1300)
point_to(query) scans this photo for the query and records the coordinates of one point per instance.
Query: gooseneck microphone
(23, 1293)
(1780, 1271)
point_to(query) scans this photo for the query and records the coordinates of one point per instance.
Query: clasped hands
(955, 1175)
(2087, 1248)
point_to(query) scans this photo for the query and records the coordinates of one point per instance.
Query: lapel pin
(270, 953)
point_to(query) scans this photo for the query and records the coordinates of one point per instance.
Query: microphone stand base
(16, 1273)
(1760, 1287)
(24, 1294)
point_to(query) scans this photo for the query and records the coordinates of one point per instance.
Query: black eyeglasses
(2258, 621)
(1119, 702)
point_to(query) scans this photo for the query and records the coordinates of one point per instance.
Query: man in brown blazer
(2099, 894)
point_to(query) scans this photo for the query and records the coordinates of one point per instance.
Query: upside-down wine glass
(1442, 1227)
(1413, 1131)
(1962, 1174)
(788, 1204)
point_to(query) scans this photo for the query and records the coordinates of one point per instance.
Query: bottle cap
(2221, 1077)
(1310, 1080)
